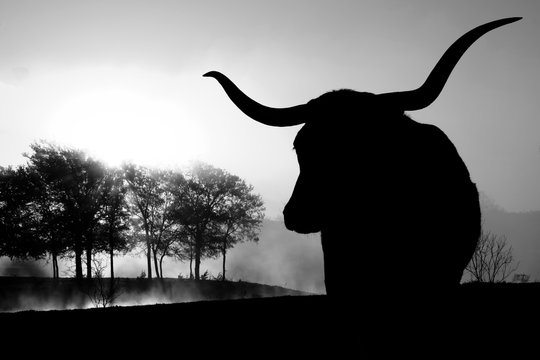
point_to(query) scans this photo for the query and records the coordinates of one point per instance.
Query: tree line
(64, 204)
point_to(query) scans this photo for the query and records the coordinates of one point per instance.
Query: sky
(123, 81)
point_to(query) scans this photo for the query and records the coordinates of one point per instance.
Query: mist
(280, 258)
(295, 261)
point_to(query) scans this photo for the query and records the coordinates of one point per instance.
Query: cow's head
(303, 213)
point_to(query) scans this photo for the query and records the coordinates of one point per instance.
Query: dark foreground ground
(487, 317)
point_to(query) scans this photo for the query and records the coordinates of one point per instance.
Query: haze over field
(294, 261)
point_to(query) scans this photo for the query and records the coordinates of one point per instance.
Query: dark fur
(392, 197)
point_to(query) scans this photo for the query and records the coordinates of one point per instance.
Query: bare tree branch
(492, 261)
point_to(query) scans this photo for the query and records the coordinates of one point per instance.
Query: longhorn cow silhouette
(392, 198)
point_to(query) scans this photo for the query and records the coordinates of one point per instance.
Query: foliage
(73, 182)
(217, 210)
(206, 275)
(492, 260)
(152, 198)
(63, 204)
(22, 234)
(101, 291)
(113, 219)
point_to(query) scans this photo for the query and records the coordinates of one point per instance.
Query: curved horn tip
(516, 18)
(211, 74)
(432, 87)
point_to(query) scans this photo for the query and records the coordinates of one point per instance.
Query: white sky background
(123, 80)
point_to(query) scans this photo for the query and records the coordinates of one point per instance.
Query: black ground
(479, 315)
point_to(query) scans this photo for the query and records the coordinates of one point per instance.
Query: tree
(168, 230)
(492, 260)
(50, 227)
(73, 181)
(18, 219)
(175, 242)
(217, 210)
(64, 203)
(152, 196)
(195, 208)
(240, 216)
(187, 250)
(102, 292)
(142, 188)
(32, 223)
(169, 237)
(114, 217)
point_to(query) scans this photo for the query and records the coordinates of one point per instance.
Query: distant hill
(522, 231)
(281, 257)
(296, 260)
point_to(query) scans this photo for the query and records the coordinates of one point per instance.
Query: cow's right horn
(432, 87)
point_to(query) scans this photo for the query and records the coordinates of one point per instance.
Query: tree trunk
(111, 250)
(88, 259)
(149, 255)
(156, 266)
(55, 265)
(78, 257)
(224, 253)
(89, 242)
(197, 260)
(53, 268)
(112, 262)
(161, 265)
(191, 262)
(57, 269)
(191, 266)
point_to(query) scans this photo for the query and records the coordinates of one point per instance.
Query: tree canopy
(65, 204)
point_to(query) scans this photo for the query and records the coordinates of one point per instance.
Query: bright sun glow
(116, 125)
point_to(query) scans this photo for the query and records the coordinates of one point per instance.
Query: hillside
(522, 232)
(29, 293)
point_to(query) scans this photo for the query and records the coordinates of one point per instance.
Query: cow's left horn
(430, 90)
(269, 116)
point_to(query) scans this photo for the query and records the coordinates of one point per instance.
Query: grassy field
(34, 293)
